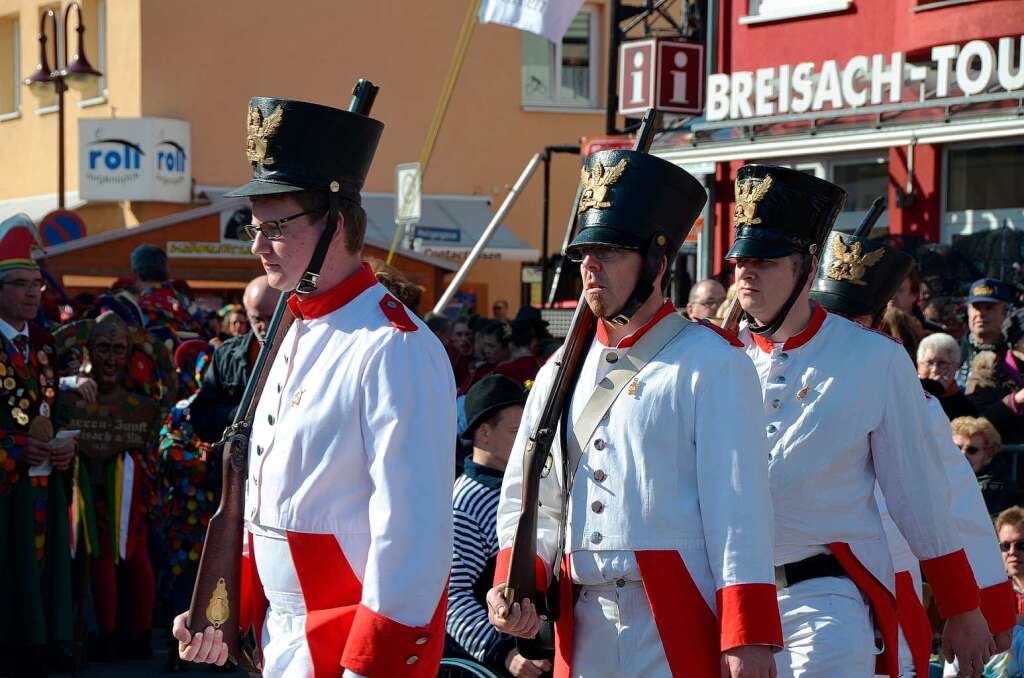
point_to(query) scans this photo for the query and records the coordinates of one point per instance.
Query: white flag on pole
(547, 18)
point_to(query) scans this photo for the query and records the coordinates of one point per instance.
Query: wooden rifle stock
(216, 596)
(521, 583)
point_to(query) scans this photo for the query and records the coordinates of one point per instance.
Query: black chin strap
(311, 276)
(645, 282)
(773, 326)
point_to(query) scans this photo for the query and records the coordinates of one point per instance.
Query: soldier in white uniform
(665, 567)
(864, 301)
(351, 454)
(844, 411)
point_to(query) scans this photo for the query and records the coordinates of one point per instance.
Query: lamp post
(77, 73)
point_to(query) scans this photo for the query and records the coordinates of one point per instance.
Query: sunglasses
(1005, 546)
(602, 254)
(970, 449)
(273, 230)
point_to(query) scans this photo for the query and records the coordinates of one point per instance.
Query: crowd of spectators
(972, 364)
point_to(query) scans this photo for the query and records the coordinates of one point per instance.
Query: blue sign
(438, 234)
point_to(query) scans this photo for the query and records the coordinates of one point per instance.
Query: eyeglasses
(601, 253)
(273, 230)
(1005, 546)
(937, 364)
(970, 449)
(25, 285)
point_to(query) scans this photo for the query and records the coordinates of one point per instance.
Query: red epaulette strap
(952, 582)
(504, 559)
(999, 606)
(396, 314)
(380, 646)
(722, 332)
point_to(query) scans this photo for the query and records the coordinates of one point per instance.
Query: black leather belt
(822, 565)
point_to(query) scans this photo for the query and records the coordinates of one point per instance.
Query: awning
(450, 226)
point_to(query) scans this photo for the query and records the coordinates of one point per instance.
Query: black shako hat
(298, 146)
(781, 211)
(858, 276)
(629, 199)
(492, 393)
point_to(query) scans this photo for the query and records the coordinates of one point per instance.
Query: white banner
(547, 18)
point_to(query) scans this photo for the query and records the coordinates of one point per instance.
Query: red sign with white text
(667, 74)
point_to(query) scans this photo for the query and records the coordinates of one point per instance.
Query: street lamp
(77, 73)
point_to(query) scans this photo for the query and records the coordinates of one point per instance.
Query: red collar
(348, 289)
(602, 329)
(798, 339)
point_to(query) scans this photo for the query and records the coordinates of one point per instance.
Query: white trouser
(283, 645)
(827, 627)
(614, 633)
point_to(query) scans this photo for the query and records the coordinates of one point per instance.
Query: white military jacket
(354, 437)
(972, 522)
(678, 465)
(844, 408)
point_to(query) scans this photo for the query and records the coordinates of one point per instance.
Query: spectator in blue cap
(992, 373)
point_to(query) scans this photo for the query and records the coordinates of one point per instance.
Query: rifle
(216, 596)
(521, 583)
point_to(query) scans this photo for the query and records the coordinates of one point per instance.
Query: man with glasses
(35, 563)
(348, 496)
(705, 299)
(662, 547)
(215, 405)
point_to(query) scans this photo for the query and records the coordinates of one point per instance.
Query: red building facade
(920, 101)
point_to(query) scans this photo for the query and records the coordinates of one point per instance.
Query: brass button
(412, 660)
(595, 537)
(772, 428)
(780, 379)
(422, 640)
(600, 475)
(612, 357)
(597, 507)
(776, 403)
(598, 444)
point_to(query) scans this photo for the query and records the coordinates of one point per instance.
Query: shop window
(776, 10)
(863, 181)
(10, 67)
(94, 16)
(564, 74)
(984, 178)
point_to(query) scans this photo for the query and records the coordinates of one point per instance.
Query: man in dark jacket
(215, 405)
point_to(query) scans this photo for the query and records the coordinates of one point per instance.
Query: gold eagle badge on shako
(596, 183)
(849, 264)
(748, 194)
(259, 133)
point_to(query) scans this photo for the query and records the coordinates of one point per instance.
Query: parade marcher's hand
(749, 661)
(37, 452)
(966, 637)
(207, 647)
(520, 619)
(86, 388)
(521, 667)
(1003, 640)
(63, 454)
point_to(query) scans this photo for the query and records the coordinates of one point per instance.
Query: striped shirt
(475, 508)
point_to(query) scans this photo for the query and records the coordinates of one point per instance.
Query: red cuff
(379, 646)
(952, 582)
(749, 615)
(504, 558)
(999, 606)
